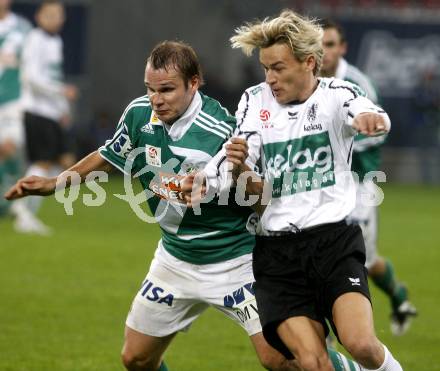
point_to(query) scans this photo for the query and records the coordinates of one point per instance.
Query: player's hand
(236, 154)
(31, 185)
(370, 124)
(193, 188)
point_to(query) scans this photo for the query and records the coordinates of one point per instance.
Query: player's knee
(363, 349)
(268, 362)
(276, 362)
(314, 362)
(138, 362)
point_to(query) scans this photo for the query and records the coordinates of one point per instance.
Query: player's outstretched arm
(42, 186)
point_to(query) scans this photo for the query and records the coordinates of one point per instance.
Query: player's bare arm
(42, 186)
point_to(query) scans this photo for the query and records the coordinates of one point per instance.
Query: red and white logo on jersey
(152, 152)
(153, 155)
(264, 115)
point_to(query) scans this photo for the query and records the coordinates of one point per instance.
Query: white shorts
(367, 218)
(174, 293)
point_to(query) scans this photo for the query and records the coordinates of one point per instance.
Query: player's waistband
(297, 233)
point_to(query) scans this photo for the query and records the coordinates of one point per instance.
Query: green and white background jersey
(366, 150)
(304, 150)
(167, 152)
(13, 30)
(43, 76)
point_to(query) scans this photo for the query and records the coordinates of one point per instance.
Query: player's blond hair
(301, 34)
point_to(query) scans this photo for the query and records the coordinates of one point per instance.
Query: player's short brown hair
(50, 2)
(330, 23)
(178, 55)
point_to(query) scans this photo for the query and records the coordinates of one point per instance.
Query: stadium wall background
(107, 42)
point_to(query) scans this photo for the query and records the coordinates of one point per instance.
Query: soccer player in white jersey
(299, 129)
(13, 30)
(202, 260)
(46, 103)
(366, 158)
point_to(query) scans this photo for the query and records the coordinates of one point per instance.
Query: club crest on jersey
(311, 114)
(189, 168)
(264, 117)
(153, 155)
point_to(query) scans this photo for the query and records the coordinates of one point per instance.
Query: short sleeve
(117, 149)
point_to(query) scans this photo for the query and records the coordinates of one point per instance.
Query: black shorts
(302, 274)
(45, 139)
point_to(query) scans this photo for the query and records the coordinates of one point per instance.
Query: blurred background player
(366, 158)
(13, 30)
(46, 102)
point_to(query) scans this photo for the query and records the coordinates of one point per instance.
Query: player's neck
(309, 89)
(329, 73)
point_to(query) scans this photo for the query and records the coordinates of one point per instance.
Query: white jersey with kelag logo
(304, 150)
(13, 30)
(165, 154)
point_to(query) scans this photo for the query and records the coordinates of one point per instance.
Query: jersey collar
(179, 127)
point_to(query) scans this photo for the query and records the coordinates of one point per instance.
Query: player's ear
(343, 48)
(310, 62)
(194, 83)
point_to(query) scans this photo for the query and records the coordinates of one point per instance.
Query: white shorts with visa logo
(174, 293)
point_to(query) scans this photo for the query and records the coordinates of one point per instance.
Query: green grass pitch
(64, 298)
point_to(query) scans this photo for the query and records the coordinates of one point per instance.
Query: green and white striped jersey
(366, 150)
(166, 154)
(13, 30)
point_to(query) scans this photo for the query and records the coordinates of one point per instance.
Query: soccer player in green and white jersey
(13, 30)
(202, 260)
(366, 158)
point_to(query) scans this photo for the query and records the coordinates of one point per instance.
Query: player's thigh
(269, 357)
(303, 335)
(143, 348)
(167, 301)
(345, 308)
